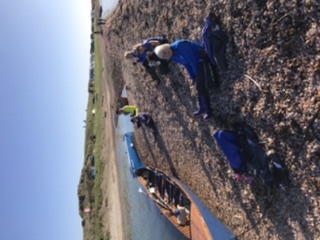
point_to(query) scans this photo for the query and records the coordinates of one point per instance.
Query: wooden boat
(176, 201)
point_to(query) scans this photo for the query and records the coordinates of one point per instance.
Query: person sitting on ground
(229, 145)
(190, 55)
(142, 52)
(144, 118)
(215, 42)
(133, 110)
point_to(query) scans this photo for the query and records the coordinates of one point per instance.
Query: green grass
(98, 131)
(94, 127)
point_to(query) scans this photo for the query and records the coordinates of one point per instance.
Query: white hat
(163, 51)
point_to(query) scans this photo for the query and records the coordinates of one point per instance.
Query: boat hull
(202, 224)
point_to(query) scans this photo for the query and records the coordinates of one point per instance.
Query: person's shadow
(158, 141)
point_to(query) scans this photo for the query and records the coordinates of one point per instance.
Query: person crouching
(144, 118)
(190, 55)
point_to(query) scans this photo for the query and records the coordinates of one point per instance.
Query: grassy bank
(89, 189)
(98, 131)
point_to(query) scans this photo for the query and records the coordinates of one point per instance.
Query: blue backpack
(228, 143)
(246, 154)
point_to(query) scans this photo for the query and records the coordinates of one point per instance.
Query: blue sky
(44, 50)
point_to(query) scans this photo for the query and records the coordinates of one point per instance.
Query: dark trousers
(150, 70)
(212, 79)
(164, 64)
(218, 46)
(206, 78)
(204, 82)
(152, 126)
(164, 67)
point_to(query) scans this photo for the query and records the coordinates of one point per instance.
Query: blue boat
(185, 216)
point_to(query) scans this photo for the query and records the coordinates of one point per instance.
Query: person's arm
(157, 39)
(140, 58)
(128, 55)
(154, 43)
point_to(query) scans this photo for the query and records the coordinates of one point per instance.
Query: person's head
(163, 51)
(128, 55)
(138, 49)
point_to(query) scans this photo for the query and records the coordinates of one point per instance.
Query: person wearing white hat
(191, 55)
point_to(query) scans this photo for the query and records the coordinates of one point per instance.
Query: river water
(141, 216)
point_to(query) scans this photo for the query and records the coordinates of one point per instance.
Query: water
(141, 216)
(124, 125)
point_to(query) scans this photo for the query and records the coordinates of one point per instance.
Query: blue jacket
(188, 54)
(215, 42)
(148, 48)
(206, 37)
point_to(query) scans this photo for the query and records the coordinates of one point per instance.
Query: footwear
(155, 78)
(243, 178)
(202, 109)
(198, 113)
(238, 177)
(206, 116)
(207, 107)
(248, 180)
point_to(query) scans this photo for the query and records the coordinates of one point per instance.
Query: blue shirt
(148, 48)
(188, 54)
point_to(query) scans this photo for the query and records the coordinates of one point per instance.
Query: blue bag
(229, 145)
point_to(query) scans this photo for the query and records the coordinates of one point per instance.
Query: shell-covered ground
(273, 84)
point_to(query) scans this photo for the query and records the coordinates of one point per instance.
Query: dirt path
(111, 209)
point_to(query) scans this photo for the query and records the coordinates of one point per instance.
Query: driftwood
(256, 83)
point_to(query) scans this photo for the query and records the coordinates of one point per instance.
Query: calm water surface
(142, 218)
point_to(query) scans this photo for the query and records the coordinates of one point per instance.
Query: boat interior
(170, 198)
